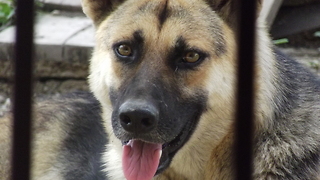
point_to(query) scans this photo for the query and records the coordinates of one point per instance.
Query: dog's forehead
(165, 21)
(152, 13)
(164, 10)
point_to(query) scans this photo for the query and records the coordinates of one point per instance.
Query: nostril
(125, 120)
(137, 121)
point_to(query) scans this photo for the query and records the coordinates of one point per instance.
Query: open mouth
(143, 160)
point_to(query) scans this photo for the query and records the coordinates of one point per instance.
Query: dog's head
(158, 66)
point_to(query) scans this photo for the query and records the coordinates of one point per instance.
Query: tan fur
(220, 165)
(46, 147)
(5, 146)
(44, 152)
(217, 77)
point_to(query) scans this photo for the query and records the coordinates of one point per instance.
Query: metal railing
(245, 91)
(23, 89)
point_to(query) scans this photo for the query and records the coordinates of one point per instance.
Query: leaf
(6, 12)
(280, 41)
(5, 8)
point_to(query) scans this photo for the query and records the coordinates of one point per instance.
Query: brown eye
(191, 57)
(124, 50)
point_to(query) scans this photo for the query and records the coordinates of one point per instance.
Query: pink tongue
(140, 160)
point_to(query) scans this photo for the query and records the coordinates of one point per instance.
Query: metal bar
(22, 90)
(245, 91)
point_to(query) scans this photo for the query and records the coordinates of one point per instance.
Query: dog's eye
(191, 57)
(124, 50)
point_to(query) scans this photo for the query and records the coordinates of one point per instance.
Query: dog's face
(159, 66)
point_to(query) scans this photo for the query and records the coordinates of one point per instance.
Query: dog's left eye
(191, 57)
(124, 50)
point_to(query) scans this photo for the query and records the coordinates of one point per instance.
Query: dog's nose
(138, 117)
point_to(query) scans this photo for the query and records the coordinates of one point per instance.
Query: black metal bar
(245, 91)
(22, 90)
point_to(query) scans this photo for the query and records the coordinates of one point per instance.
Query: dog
(163, 78)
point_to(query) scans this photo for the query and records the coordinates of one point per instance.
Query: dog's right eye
(124, 50)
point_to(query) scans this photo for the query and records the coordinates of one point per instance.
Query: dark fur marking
(163, 12)
(220, 48)
(83, 147)
(163, 15)
(217, 5)
(305, 166)
(295, 79)
(220, 42)
(220, 5)
(138, 37)
(176, 52)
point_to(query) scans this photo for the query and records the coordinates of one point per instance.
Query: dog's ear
(97, 10)
(228, 9)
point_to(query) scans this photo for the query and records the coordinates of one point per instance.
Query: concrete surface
(53, 33)
(63, 46)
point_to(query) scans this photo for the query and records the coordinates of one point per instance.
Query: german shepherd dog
(163, 77)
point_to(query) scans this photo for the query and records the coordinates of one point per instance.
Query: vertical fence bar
(245, 91)
(22, 90)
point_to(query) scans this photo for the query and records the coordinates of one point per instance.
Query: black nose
(138, 117)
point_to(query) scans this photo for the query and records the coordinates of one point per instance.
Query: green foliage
(315, 65)
(280, 41)
(6, 12)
